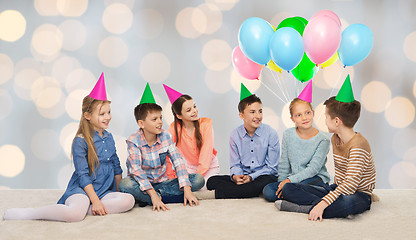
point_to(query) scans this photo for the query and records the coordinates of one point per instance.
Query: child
(254, 153)
(355, 174)
(148, 150)
(193, 136)
(304, 149)
(93, 187)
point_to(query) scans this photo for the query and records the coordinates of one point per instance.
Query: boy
(254, 153)
(355, 174)
(148, 149)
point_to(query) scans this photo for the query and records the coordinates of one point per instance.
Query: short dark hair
(141, 110)
(349, 113)
(248, 101)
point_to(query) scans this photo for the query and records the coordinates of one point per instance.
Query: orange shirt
(189, 150)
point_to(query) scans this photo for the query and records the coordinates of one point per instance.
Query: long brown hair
(177, 110)
(87, 131)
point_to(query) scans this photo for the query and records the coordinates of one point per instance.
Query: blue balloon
(254, 37)
(286, 48)
(356, 43)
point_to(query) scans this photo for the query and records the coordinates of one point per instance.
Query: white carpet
(393, 217)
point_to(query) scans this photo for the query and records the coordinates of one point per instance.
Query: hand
(188, 196)
(317, 211)
(238, 179)
(97, 208)
(156, 201)
(247, 179)
(280, 187)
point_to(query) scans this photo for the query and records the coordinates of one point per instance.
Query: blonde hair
(297, 101)
(87, 131)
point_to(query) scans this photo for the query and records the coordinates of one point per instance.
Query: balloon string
(278, 84)
(285, 88)
(272, 91)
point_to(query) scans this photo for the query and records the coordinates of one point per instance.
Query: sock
(201, 195)
(292, 207)
(18, 214)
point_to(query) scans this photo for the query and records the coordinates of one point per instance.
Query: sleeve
(207, 148)
(272, 157)
(353, 177)
(236, 167)
(179, 163)
(114, 158)
(80, 155)
(315, 164)
(134, 163)
(169, 166)
(284, 167)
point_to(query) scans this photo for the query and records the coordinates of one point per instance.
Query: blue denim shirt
(254, 156)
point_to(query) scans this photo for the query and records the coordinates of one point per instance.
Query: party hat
(147, 96)
(345, 94)
(306, 94)
(172, 94)
(98, 92)
(244, 92)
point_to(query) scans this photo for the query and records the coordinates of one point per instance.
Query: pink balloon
(321, 37)
(244, 66)
(329, 14)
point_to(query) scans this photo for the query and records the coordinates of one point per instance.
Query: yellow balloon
(330, 61)
(273, 66)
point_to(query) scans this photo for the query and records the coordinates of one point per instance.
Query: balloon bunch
(299, 46)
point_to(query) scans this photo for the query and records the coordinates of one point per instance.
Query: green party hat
(244, 92)
(345, 94)
(147, 96)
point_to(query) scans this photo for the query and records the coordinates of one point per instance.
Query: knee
(129, 202)
(269, 193)
(126, 185)
(197, 181)
(74, 216)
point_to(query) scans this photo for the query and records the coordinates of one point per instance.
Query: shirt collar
(98, 137)
(242, 130)
(143, 140)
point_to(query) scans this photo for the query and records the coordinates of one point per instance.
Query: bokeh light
(319, 118)
(208, 17)
(73, 104)
(237, 79)
(45, 144)
(46, 92)
(12, 25)
(270, 118)
(66, 137)
(74, 34)
(113, 52)
(403, 175)
(400, 112)
(6, 104)
(219, 81)
(72, 8)
(184, 24)
(403, 140)
(128, 3)
(6, 68)
(62, 67)
(167, 114)
(409, 46)
(335, 75)
(414, 89)
(410, 155)
(375, 96)
(224, 5)
(80, 78)
(47, 40)
(155, 67)
(23, 81)
(12, 161)
(54, 111)
(286, 116)
(117, 18)
(143, 29)
(216, 55)
(46, 7)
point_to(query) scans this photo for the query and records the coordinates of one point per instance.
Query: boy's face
(252, 116)
(331, 123)
(153, 123)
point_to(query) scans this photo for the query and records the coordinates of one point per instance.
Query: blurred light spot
(46, 92)
(167, 114)
(128, 3)
(121, 148)
(216, 55)
(23, 81)
(73, 104)
(286, 117)
(237, 79)
(218, 81)
(27, 63)
(6, 104)
(45, 144)
(47, 40)
(403, 175)
(74, 34)
(319, 80)
(224, 5)
(148, 24)
(400, 112)
(155, 67)
(65, 174)
(66, 137)
(54, 111)
(409, 46)
(80, 78)
(12, 161)
(62, 67)
(12, 25)
(410, 155)
(319, 118)
(46, 7)
(6, 68)
(117, 18)
(184, 24)
(375, 96)
(112, 52)
(414, 89)
(199, 20)
(403, 140)
(335, 75)
(72, 8)
(270, 118)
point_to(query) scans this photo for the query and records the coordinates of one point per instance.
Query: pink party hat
(98, 92)
(172, 94)
(306, 94)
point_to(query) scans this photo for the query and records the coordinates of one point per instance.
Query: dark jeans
(269, 191)
(345, 205)
(226, 188)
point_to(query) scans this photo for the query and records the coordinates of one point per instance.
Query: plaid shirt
(147, 164)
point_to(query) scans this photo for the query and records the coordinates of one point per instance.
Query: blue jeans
(345, 205)
(269, 191)
(168, 190)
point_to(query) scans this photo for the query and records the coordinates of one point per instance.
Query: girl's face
(302, 115)
(100, 117)
(189, 111)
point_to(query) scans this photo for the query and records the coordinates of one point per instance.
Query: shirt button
(103, 142)
(251, 139)
(108, 158)
(251, 150)
(252, 161)
(106, 150)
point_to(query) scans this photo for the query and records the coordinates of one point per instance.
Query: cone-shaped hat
(244, 92)
(345, 94)
(172, 93)
(98, 92)
(147, 96)
(306, 94)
